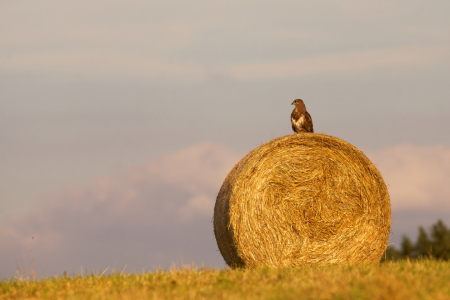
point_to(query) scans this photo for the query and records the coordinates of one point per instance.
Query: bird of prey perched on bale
(300, 118)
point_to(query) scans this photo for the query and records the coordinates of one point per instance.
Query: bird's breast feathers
(299, 122)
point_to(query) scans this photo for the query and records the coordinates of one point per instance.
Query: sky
(120, 120)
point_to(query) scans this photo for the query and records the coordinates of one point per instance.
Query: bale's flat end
(302, 199)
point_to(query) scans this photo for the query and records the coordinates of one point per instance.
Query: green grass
(427, 279)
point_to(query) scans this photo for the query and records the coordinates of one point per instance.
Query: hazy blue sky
(98, 100)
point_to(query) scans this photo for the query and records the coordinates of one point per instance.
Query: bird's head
(298, 102)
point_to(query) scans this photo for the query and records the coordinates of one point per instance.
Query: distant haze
(120, 120)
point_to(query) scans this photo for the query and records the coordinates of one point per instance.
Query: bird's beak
(292, 103)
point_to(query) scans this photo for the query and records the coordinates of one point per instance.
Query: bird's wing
(308, 122)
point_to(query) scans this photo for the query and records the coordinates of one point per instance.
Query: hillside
(427, 279)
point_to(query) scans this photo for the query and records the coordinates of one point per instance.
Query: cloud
(352, 62)
(144, 216)
(417, 177)
(100, 63)
(242, 39)
(97, 63)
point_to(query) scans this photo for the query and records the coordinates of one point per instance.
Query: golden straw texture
(299, 200)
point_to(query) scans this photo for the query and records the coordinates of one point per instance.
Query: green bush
(434, 245)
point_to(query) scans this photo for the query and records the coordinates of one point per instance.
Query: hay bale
(299, 200)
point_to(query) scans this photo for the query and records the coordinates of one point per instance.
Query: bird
(301, 120)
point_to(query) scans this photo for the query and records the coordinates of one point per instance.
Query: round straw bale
(299, 200)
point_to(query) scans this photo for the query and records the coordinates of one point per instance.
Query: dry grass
(302, 199)
(399, 280)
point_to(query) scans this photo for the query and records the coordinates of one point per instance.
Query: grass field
(427, 279)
